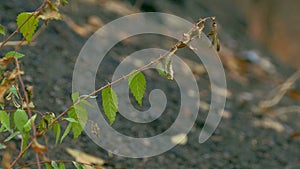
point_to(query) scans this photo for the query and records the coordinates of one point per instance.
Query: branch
(19, 27)
(193, 33)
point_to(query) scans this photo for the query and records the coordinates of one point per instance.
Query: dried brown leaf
(119, 7)
(4, 62)
(269, 123)
(50, 12)
(180, 139)
(85, 158)
(294, 94)
(295, 135)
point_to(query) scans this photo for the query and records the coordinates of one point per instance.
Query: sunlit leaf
(110, 104)
(78, 166)
(4, 119)
(27, 126)
(54, 165)
(14, 54)
(2, 30)
(69, 119)
(12, 135)
(180, 139)
(14, 91)
(67, 131)
(20, 119)
(29, 26)
(137, 85)
(2, 146)
(75, 96)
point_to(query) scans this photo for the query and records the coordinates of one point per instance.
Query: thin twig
(16, 43)
(57, 161)
(20, 155)
(281, 91)
(289, 109)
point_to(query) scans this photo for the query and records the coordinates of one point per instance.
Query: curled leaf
(164, 67)
(213, 32)
(50, 12)
(2, 30)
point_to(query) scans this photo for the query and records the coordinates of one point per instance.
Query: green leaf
(2, 129)
(67, 131)
(82, 114)
(78, 166)
(56, 130)
(62, 165)
(86, 103)
(64, 2)
(48, 166)
(69, 119)
(20, 119)
(75, 96)
(137, 85)
(27, 126)
(79, 113)
(45, 121)
(2, 146)
(4, 119)
(110, 104)
(3, 81)
(12, 135)
(54, 165)
(25, 139)
(76, 130)
(2, 30)
(14, 54)
(13, 90)
(29, 26)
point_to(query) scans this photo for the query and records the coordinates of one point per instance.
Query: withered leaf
(85, 158)
(50, 12)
